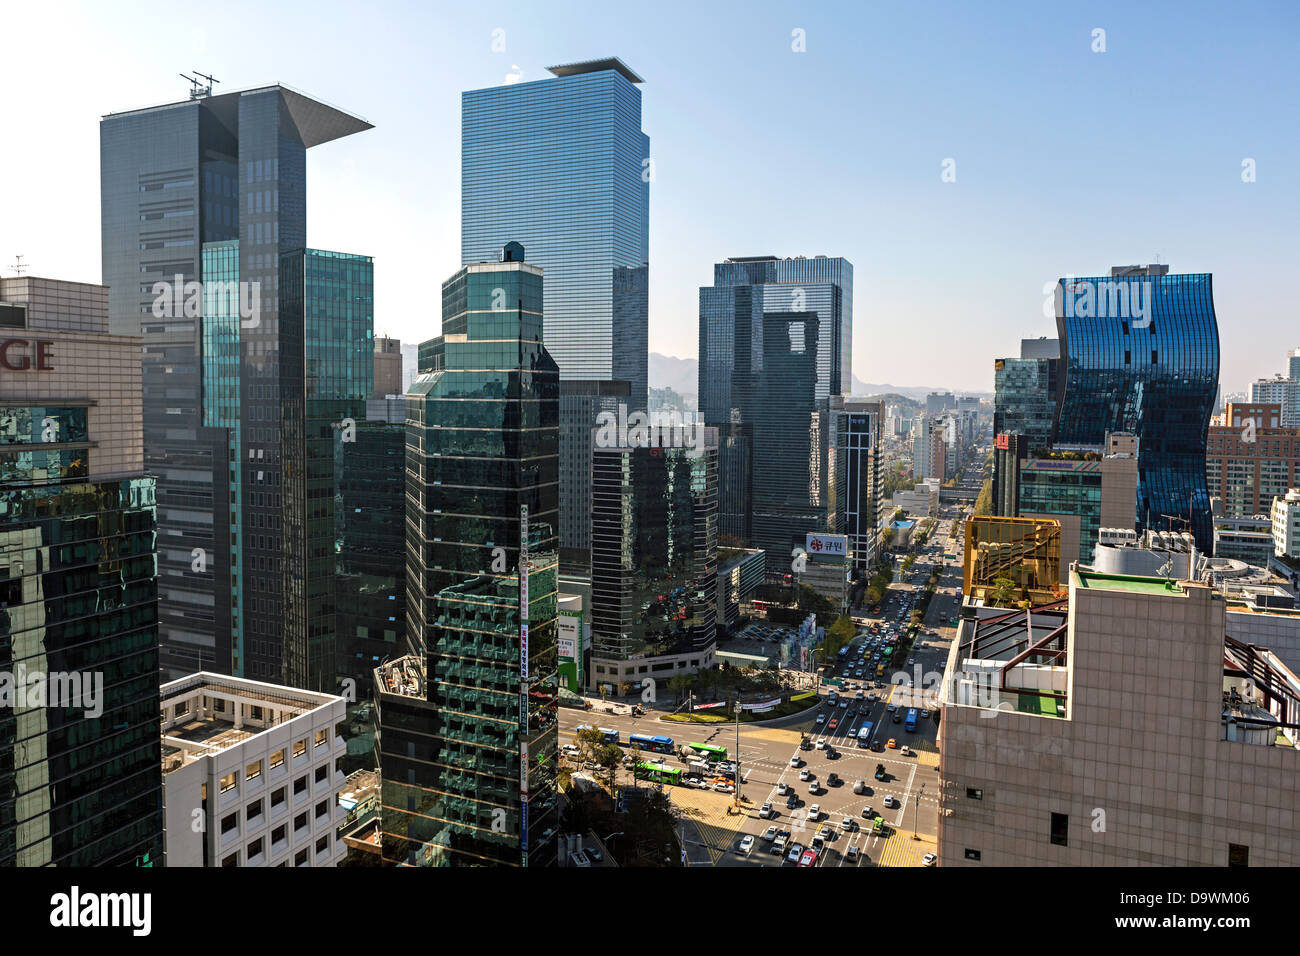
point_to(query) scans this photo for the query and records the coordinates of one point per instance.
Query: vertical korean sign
(523, 681)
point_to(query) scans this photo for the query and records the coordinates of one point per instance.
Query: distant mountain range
(682, 376)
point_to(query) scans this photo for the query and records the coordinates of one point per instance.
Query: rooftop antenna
(19, 266)
(198, 90)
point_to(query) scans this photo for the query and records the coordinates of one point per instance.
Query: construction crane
(197, 88)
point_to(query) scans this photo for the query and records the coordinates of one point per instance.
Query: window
(322, 808)
(255, 848)
(972, 854)
(279, 834)
(322, 772)
(300, 785)
(254, 810)
(278, 797)
(229, 822)
(974, 793)
(322, 844)
(300, 822)
(232, 860)
(322, 737)
(299, 748)
(229, 781)
(1060, 829)
(300, 858)
(1238, 855)
(253, 770)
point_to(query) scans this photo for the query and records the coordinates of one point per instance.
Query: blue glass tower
(561, 165)
(1140, 354)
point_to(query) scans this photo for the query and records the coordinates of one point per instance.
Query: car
(868, 812)
(805, 774)
(892, 707)
(594, 853)
(791, 802)
(833, 780)
(835, 722)
(769, 834)
(859, 786)
(808, 858)
(898, 718)
(795, 854)
(795, 761)
(846, 823)
(890, 801)
(925, 714)
(844, 704)
(893, 744)
(911, 662)
(570, 749)
(832, 753)
(815, 812)
(929, 859)
(782, 788)
(765, 811)
(821, 743)
(817, 843)
(722, 787)
(852, 855)
(813, 786)
(778, 845)
(821, 719)
(880, 771)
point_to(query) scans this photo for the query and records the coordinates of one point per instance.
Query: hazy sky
(1067, 160)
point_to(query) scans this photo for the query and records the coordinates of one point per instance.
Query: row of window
(231, 780)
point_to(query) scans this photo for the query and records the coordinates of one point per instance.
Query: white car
(805, 774)
(815, 812)
(928, 859)
(770, 834)
(747, 843)
(821, 743)
(796, 851)
(890, 801)
(794, 761)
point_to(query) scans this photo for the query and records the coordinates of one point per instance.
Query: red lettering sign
(13, 355)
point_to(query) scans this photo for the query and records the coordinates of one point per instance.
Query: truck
(878, 826)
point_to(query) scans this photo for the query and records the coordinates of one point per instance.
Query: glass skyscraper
(80, 764)
(467, 723)
(1151, 368)
(561, 165)
(654, 571)
(775, 345)
(213, 189)
(857, 457)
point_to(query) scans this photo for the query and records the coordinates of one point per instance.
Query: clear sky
(1067, 160)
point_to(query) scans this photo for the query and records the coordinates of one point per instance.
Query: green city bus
(658, 773)
(709, 750)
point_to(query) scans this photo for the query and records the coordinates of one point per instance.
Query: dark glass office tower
(80, 767)
(654, 570)
(857, 459)
(228, 170)
(1026, 395)
(748, 295)
(1140, 354)
(561, 165)
(467, 725)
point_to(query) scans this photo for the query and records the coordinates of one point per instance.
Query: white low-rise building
(1286, 525)
(251, 773)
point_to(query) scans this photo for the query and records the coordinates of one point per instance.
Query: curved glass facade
(1145, 362)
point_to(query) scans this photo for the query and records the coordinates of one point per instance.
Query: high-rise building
(1280, 391)
(80, 779)
(775, 345)
(936, 403)
(1140, 354)
(1251, 459)
(1024, 404)
(467, 730)
(213, 191)
(654, 568)
(561, 165)
(1293, 365)
(1161, 763)
(388, 368)
(858, 453)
